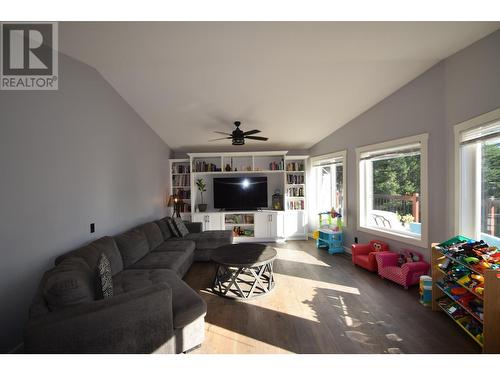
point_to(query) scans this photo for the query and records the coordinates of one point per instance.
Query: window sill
(396, 236)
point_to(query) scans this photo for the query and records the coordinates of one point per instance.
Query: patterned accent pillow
(181, 227)
(104, 277)
(173, 228)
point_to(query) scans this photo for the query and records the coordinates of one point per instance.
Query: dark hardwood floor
(323, 304)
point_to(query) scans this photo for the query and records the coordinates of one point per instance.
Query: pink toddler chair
(406, 274)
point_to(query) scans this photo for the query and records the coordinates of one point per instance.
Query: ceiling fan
(238, 136)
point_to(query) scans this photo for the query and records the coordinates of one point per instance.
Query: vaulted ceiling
(295, 81)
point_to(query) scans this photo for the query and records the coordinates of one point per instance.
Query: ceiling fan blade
(250, 132)
(257, 138)
(219, 139)
(222, 133)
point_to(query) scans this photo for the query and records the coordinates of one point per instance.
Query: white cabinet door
(209, 221)
(199, 218)
(261, 224)
(273, 225)
(279, 225)
(214, 221)
(295, 224)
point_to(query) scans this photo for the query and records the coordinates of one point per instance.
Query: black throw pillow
(181, 227)
(173, 228)
(104, 277)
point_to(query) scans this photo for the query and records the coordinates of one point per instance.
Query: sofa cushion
(176, 244)
(181, 227)
(91, 253)
(187, 305)
(172, 227)
(133, 246)
(206, 242)
(153, 234)
(178, 261)
(212, 239)
(165, 231)
(104, 277)
(71, 282)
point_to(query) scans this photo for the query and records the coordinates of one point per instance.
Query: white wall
(68, 158)
(462, 86)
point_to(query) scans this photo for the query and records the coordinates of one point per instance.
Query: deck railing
(491, 216)
(402, 204)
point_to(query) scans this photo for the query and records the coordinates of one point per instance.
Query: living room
(250, 187)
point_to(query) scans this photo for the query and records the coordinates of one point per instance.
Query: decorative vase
(202, 207)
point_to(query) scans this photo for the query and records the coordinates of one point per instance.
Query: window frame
(423, 139)
(459, 226)
(343, 156)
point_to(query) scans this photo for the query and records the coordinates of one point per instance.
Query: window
(392, 188)
(479, 178)
(329, 184)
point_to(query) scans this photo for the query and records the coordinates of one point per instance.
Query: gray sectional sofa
(151, 311)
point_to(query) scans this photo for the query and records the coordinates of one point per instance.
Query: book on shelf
(295, 179)
(295, 192)
(295, 204)
(180, 180)
(295, 166)
(203, 166)
(180, 168)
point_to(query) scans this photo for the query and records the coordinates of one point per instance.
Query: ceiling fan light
(238, 141)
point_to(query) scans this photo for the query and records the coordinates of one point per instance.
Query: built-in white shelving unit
(295, 197)
(285, 174)
(180, 185)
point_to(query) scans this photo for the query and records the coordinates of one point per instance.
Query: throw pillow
(104, 277)
(70, 283)
(173, 228)
(181, 227)
(165, 231)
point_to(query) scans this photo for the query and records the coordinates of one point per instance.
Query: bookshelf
(295, 196)
(284, 173)
(476, 308)
(180, 184)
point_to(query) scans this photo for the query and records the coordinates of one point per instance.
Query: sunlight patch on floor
(299, 256)
(221, 341)
(320, 284)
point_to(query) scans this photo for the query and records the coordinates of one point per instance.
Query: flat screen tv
(240, 193)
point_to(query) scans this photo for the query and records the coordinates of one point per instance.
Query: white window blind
(327, 161)
(392, 153)
(481, 134)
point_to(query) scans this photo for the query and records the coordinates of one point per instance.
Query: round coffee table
(243, 270)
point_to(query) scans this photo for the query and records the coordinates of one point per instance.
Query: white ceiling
(295, 81)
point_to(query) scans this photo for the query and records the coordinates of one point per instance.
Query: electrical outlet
(92, 227)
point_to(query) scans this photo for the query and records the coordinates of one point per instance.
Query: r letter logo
(29, 59)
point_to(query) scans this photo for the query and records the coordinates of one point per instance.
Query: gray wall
(68, 158)
(460, 87)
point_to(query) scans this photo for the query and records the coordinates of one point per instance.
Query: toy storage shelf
(460, 321)
(443, 299)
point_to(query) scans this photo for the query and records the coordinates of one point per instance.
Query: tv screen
(240, 193)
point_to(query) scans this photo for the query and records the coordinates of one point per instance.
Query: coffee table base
(243, 282)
